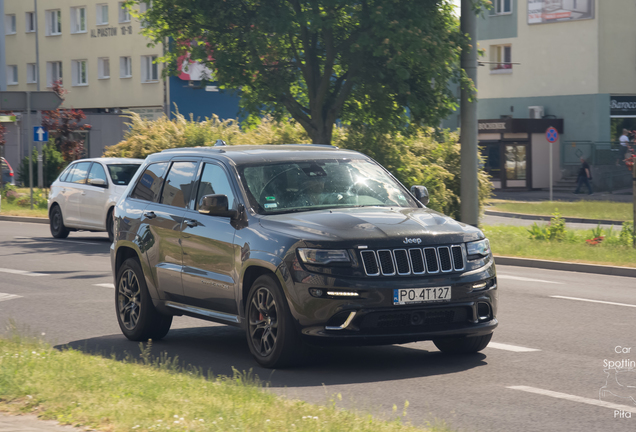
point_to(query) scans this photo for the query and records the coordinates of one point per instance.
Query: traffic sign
(40, 134)
(552, 135)
(40, 100)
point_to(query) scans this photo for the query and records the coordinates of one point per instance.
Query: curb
(566, 266)
(40, 220)
(547, 218)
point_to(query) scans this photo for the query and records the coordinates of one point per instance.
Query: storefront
(623, 115)
(517, 153)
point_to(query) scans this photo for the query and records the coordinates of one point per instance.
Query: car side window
(97, 172)
(149, 184)
(65, 173)
(179, 183)
(79, 173)
(214, 181)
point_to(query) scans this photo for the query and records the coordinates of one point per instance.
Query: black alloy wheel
(464, 345)
(138, 318)
(271, 336)
(56, 223)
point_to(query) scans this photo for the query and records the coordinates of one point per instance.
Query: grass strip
(514, 241)
(584, 209)
(13, 209)
(155, 394)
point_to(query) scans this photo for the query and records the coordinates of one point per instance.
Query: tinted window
(97, 172)
(214, 181)
(150, 182)
(79, 173)
(121, 175)
(178, 188)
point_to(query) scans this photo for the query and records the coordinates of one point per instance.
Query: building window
(503, 7)
(149, 69)
(53, 22)
(80, 76)
(30, 22)
(53, 73)
(500, 59)
(78, 19)
(125, 67)
(32, 73)
(143, 8)
(103, 68)
(124, 15)
(102, 14)
(9, 24)
(12, 75)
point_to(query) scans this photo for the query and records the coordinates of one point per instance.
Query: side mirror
(97, 182)
(216, 205)
(421, 193)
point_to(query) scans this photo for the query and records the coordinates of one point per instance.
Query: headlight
(481, 247)
(323, 256)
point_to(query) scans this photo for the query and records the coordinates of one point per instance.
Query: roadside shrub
(39, 200)
(555, 230)
(52, 165)
(627, 234)
(420, 158)
(9, 192)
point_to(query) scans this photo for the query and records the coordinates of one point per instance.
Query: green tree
(380, 63)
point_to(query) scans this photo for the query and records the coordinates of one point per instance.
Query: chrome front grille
(416, 261)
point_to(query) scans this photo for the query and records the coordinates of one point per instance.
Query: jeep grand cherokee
(296, 244)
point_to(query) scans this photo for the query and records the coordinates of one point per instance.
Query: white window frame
(501, 61)
(12, 75)
(500, 6)
(79, 69)
(99, 14)
(125, 67)
(10, 24)
(78, 22)
(103, 68)
(29, 22)
(124, 14)
(53, 72)
(32, 73)
(149, 69)
(144, 6)
(53, 22)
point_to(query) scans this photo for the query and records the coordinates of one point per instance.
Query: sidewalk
(30, 423)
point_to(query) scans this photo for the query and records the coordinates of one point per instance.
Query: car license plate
(421, 295)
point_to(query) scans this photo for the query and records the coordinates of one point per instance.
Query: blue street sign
(552, 135)
(40, 134)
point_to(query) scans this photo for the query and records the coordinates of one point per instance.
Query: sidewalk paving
(30, 423)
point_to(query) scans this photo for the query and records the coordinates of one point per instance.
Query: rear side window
(65, 173)
(79, 173)
(97, 172)
(179, 183)
(149, 185)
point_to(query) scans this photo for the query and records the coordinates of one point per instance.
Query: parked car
(7, 172)
(84, 194)
(296, 244)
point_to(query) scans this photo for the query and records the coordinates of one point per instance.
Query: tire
(271, 336)
(466, 345)
(110, 226)
(138, 318)
(56, 223)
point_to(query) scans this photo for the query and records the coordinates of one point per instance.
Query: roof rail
(219, 142)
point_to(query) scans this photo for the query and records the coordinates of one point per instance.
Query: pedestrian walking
(585, 175)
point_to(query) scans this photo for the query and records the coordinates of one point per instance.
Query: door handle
(192, 223)
(150, 215)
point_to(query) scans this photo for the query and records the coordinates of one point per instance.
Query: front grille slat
(403, 262)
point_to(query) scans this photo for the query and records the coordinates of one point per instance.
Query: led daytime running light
(343, 293)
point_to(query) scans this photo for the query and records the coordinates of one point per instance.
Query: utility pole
(37, 67)
(469, 186)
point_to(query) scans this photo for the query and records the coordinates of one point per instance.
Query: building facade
(573, 60)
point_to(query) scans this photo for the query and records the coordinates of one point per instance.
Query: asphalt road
(543, 371)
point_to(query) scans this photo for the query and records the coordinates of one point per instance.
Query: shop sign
(623, 106)
(495, 126)
(551, 11)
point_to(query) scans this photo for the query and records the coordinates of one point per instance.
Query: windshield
(310, 185)
(122, 174)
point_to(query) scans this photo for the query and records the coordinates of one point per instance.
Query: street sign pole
(552, 136)
(30, 139)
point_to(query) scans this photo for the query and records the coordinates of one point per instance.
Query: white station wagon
(83, 196)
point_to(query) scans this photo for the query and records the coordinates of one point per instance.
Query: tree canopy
(383, 63)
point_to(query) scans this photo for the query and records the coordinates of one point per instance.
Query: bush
(9, 192)
(627, 234)
(52, 165)
(555, 230)
(416, 159)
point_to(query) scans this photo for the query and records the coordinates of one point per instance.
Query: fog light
(342, 293)
(483, 311)
(316, 292)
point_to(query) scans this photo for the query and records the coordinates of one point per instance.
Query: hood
(407, 227)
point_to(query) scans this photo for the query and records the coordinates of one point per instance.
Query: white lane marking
(513, 348)
(105, 285)
(594, 301)
(56, 240)
(22, 272)
(519, 278)
(574, 398)
(4, 296)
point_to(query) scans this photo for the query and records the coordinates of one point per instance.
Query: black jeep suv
(296, 244)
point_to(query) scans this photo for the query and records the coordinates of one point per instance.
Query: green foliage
(419, 158)
(9, 192)
(321, 60)
(538, 232)
(555, 230)
(52, 165)
(627, 234)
